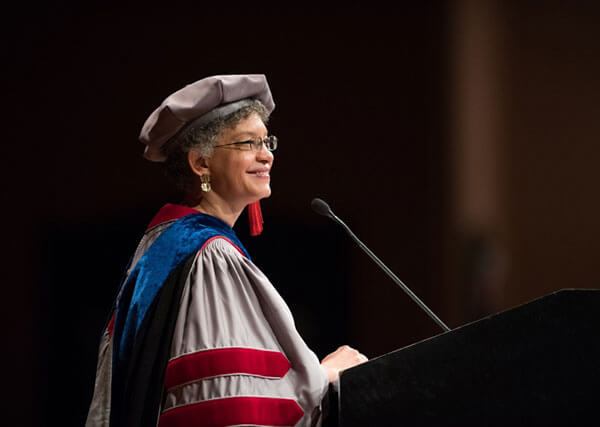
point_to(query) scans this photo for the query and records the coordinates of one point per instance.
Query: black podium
(536, 364)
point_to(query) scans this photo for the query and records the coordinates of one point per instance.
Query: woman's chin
(264, 194)
(265, 191)
(258, 195)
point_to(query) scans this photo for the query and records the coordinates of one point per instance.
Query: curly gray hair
(203, 139)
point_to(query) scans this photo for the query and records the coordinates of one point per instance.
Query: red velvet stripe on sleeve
(261, 411)
(224, 361)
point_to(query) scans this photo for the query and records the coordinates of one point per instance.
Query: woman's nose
(263, 154)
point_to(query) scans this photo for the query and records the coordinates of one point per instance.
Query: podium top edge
(556, 293)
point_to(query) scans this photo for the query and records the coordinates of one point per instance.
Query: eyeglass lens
(270, 143)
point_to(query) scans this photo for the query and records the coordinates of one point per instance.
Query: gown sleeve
(236, 356)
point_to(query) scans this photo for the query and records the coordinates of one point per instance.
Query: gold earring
(205, 183)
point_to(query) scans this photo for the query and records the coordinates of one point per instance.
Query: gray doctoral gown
(236, 357)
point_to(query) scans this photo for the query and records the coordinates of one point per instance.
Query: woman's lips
(263, 173)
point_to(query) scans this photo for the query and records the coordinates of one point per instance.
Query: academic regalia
(199, 336)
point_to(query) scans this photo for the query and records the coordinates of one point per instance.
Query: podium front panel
(536, 364)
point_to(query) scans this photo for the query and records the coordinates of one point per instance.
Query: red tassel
(255, 218)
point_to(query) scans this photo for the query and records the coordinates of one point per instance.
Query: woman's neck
(211, 204)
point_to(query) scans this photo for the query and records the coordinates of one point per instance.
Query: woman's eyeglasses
(270, 143)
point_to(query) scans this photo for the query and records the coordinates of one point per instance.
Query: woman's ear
(198, 164)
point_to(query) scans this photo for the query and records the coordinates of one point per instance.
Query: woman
(198, 335)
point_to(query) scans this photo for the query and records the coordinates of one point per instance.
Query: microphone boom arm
(390, 273)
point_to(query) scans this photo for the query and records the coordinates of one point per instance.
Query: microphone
(322, 208)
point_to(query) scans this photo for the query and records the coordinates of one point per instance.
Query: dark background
(459, 140)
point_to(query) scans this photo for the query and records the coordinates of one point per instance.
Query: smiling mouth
(264, 174)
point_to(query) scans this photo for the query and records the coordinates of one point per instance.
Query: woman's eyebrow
(243, 134)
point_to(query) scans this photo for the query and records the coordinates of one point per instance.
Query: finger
(341, 351)
(350, 351)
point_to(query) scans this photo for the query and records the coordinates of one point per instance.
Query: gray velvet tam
(200, 102)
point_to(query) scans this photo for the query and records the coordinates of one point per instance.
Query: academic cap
(201, 101)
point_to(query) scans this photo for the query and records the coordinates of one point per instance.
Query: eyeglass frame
(255, 144)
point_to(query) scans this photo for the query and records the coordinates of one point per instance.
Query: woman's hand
(343, 358)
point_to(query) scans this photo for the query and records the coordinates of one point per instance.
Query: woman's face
(241, 177)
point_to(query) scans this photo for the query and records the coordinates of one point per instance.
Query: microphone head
(320, 207)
